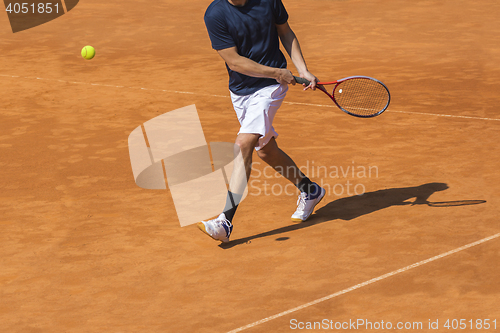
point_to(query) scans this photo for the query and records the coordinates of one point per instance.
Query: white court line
(345, 291)
(226, 96)
(445, 115)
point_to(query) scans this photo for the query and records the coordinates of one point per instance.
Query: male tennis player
(246, 35)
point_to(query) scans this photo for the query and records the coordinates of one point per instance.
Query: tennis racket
(359, 96)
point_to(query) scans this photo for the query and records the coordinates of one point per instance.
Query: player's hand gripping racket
(359, 96)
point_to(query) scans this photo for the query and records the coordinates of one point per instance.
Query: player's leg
(221, 227)
(310, 193)
(255, 113)
(246, 143)
(280, 161)
(252, 117)
(241, 172)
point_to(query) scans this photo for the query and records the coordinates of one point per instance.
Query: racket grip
(300, 80)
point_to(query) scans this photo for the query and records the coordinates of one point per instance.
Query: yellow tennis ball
(88, 52)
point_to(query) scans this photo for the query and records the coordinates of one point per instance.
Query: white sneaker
(306, 204)
(219, 228)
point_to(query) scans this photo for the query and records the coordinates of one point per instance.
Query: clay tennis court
(84, 249)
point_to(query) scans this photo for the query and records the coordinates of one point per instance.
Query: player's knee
(262, 154)
(246, 144)
(267, 153)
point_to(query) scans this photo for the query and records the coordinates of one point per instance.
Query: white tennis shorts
(256, 111)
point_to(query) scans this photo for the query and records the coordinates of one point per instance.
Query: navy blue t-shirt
(251, 28)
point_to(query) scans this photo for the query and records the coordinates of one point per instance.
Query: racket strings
(361, 96)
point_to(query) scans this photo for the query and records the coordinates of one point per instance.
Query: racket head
(361, 96)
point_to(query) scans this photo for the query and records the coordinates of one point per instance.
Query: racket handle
(300, 80)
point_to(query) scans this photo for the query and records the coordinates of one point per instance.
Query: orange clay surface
(84, 249)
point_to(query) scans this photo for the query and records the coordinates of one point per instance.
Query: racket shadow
(350, 208)
(455, 203)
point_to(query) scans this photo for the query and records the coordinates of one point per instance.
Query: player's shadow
(350, 208)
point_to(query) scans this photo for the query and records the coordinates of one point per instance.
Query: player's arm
(292, 47)
(249, 67)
